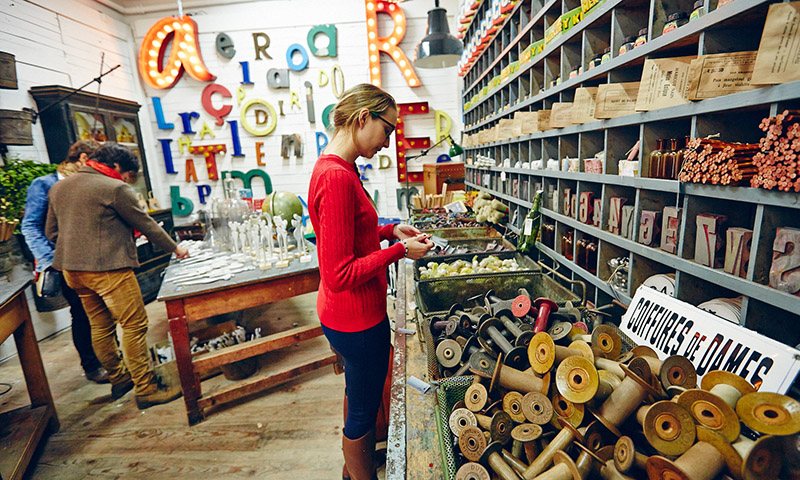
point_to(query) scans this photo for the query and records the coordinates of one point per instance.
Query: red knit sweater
(352, 265)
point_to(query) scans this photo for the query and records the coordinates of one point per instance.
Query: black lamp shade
(438, 49)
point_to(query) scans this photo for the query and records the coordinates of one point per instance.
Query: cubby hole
(630, 72)
(567, 95)
(570, 5)
(737, 214)
(596, 38)
(618, 142)
(663, 9)
(591, 143)
(678, 129)
(653, 201)
(643, 268)
(524, 87)
(773, 218)
(696, 291)
(552, 70)
(536, 75)
(595, 192)
(548, 236)
(793, 104)
(568, 147)
(525, 11)
(568, 187)
(603, 299)
(605, 271)
(616, 191)
(740, 125)
(627, 21)
(739, 34)
(513, 155)
(550, 149)
(571, 61)
(535, 150)
(773, 322)
(552, 197)
(564, 246)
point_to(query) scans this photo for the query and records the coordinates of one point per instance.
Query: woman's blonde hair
(70, 164)
(363, 95)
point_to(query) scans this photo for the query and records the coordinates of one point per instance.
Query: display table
(413, 450)
(23, 428)
(186, 304)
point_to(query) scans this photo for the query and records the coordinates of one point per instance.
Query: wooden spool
(604, 338)
(508, 377)
(536, 408)
(525, 436)
(761, 459)
(703, 461)
(563, 408)
(668, 427)
(576, 379)
(727, 386)
(609, 472)
(476, 397)
(512, 405)
(448, 352)
(610, 365)
(514, 462)
(586, 460)
(596, 436)
(626, 457)
(559, 442)
(491, 456)
(711, 412)
(607, 383)
(472, 443)
(516, 357)
(678, 371)
(541, 352)
(560, 332)
(472, 471)
(770, 413)
(498, 425)
(461, 418)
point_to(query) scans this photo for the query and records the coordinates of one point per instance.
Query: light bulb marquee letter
(388, 44)
(185, 53)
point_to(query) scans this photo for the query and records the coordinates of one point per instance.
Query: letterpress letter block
(627, 222)
(567, 210)
(597, 217)
(615, 214)
(648, 227)
(709, 241)
(574, 205)
(670, 223)
(585, 207)
(784, 274)
(737, 251)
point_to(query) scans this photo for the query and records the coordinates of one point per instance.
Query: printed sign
(672, 327)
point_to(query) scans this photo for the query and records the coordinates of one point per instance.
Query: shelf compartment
(772, 322)
(612, 191)
(772, 219)
(607, 252)
(591, 143)
(736, 213)
(738, 34)
(642, 268)
(618, 142)
(695, 290)
(678, 129)
(568, 147)
(583, 275)
(628, 18)
(739, 125)
(568, 206)
(596, 38)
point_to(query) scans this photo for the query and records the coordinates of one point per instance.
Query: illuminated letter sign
(403, 143)
(388, 44)
(185, 53)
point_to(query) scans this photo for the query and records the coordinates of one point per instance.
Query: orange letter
(388, 44)
(185, 53)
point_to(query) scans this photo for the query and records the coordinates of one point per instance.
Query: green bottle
(530, 227)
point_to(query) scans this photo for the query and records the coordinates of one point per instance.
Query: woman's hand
(418, 246)
(402, 231)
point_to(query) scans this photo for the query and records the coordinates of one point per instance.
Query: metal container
(462, 233)
(15, 127)
(8, 71)
(473, 245)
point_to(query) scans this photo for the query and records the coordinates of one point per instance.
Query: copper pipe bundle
(776, 162)
(720, 163)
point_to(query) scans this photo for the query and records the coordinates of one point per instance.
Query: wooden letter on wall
(669, 229)
(737, 251)
(784, 274)
(585, 207)
(708, 240)
(648, 227)
(289, 142)
(627, 222)
(615, 214)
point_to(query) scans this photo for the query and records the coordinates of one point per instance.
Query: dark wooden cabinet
(68, 116)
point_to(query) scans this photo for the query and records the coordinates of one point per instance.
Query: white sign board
(672, 327)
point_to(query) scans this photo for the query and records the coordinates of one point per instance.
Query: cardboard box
(721, 74)
(584, 105)
(561, 115)
(665, 82)
(543, 120)
(616, 99)
(530, 122)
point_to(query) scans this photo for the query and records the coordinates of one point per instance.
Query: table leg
(183, 358)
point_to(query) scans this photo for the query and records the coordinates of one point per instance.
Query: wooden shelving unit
(735, 27)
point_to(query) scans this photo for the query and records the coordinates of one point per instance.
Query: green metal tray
(463, 232)
(449, 392)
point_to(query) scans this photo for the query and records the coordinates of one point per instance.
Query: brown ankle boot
(158, 393)
(358, 456)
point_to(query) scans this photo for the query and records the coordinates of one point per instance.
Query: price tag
(502, 176)
(528, 226)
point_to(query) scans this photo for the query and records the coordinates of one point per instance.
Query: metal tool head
(541, 352)
(711, 412)
(770, 413)
(512, 405)
(669, 428)
(576, 379)
(678, 371)
(536, 408)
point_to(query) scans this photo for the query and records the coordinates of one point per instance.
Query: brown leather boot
(158, 393)
(358, 456)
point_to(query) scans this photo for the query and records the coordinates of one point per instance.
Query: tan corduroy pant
(110, 298)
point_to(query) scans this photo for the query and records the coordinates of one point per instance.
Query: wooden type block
(670, 224)
(585, 207)
(615, 214)
(737, 251)
(708, 240)
(784, 274)
(574, 205)
(597, 217)
(567, 205)
(627, 222)
(649, 226)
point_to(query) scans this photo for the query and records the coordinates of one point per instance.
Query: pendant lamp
(438, 49)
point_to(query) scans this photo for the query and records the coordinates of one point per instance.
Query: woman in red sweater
(352, 294)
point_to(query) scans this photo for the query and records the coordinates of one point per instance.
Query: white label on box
(672, 327)
(528, 226)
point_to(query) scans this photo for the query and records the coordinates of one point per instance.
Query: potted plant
(15, 177)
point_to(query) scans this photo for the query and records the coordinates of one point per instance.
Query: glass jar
(580, 252)
(655, 159)
(669, 159)
(627, 45)
(566, 244)
(681, 156)
(596, 61)
(606, 55)
(574, 73)
(591, 257)
(641, 39)
(698, 10)
(549, 235)
(677, 19)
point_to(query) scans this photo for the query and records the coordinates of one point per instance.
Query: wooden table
(23, 428)
(186, 304)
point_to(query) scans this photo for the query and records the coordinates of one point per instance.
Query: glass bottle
(591, 257)
(655, 159)
(580, 252)
(668, 160)
(566, 244)
(680, 155)
(549, 235)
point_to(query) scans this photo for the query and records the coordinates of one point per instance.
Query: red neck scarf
(104, 169)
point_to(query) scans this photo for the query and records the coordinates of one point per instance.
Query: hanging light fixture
(438, 49)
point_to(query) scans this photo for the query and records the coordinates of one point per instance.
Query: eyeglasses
(378, 116)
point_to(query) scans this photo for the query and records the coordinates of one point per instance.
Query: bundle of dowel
(719, 163)
(776, 163)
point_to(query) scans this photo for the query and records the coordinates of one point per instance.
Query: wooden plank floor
(291, 431)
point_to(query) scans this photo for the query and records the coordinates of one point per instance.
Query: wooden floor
(290, 432)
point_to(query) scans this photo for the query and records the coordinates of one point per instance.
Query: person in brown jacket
(91, 218)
